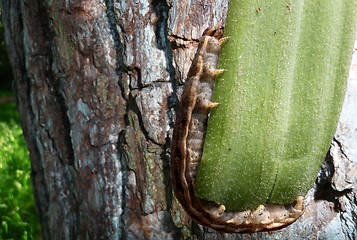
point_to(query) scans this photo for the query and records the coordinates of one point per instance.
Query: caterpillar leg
(212, 72)
(222, 40)
(218, 71)
(204, 103)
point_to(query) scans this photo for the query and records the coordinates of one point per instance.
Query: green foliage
(18, 216)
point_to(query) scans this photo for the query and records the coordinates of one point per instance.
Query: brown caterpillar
(187, 147)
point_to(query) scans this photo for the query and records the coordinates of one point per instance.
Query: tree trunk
(97, 84)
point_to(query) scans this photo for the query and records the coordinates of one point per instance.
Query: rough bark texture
(97, 84)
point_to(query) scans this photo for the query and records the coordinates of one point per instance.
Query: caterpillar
(187, 147)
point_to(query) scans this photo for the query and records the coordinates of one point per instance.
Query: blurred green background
(18, 216)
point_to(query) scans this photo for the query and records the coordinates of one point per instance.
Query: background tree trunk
(97, 84)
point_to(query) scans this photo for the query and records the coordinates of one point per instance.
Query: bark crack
(340, 146)
(117, 44)
(132, 105)
(124, 170)
(120, 68)
(324, 189)
(163, 42)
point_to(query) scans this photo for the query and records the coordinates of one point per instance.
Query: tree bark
(97, 84)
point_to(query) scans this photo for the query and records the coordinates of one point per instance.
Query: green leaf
(287, 65)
